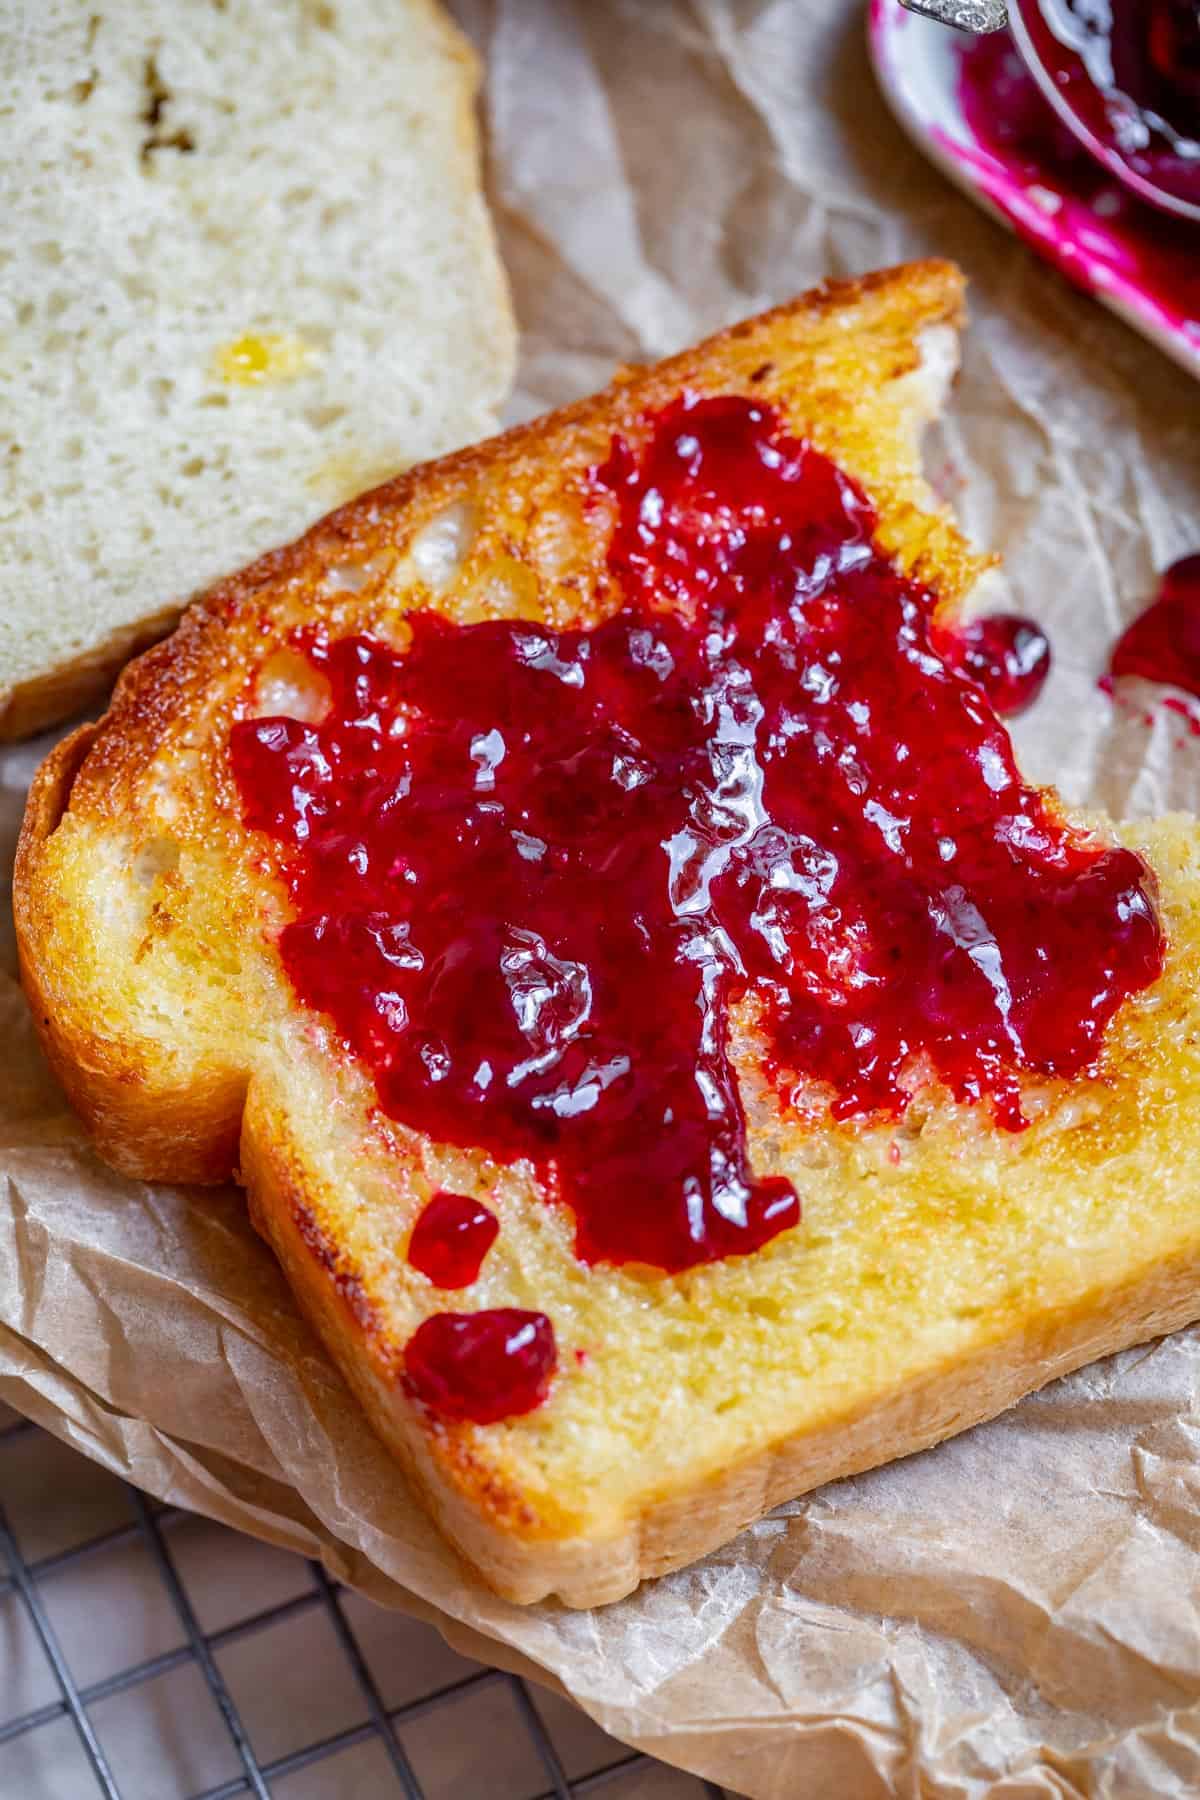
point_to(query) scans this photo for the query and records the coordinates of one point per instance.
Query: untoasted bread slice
(941, 1269)
(248, 271)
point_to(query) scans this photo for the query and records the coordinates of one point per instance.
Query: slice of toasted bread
(248, 271)
(942, 1267)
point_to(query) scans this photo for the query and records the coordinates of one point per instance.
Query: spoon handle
(976, 16)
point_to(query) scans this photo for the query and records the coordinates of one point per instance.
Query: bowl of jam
(1124, 76)
(1078, 128)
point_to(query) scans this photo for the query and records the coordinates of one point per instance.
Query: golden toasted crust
(932, 1281)
(140, 1119)
(32, 705)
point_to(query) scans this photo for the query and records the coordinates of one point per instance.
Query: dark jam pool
(1065, 202)
(1129, 71)
(534, 871)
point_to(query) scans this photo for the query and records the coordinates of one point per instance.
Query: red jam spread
(1129, 71)
(481, 1366)
(534, 870)
(1007, 655)
(451, 1238)
(1163, 644)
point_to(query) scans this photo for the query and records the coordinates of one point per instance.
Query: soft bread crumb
(249, 270)
(939, 353)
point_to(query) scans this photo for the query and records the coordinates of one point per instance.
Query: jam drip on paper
(543, 880)
(1163, 643)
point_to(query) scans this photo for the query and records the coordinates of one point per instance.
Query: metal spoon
(977, 16)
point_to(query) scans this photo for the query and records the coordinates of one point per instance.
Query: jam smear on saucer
(1129, 70)
(1064, 201)
(546, 882)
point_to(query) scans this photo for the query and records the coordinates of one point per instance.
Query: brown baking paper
(1015, 1613)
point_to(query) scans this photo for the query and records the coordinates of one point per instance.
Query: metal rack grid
(25, 1580)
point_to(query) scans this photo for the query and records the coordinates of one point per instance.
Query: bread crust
(71, 687)
(202, 1112)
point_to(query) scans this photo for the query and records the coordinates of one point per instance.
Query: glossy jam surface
(451, 1238)
(1163, 644)
(481, 1366)
(1009, 657)
(1066, 203)
(534, 871)
(1129, 70)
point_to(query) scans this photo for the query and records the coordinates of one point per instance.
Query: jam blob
(451, 1238)
(1128, 71)
(1007, 655)
(481, 1366)
(534, 871)
(1163, 644)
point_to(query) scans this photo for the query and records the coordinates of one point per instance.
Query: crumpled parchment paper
(1015, 1613)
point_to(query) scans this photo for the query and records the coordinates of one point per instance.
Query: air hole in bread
(158, 856)
(160, 134)
(289, 687)
(346, 578)
(556, 540)
(506, 589)
(764, 1306)
(912, 1124)
(322, 417)
(440, 547)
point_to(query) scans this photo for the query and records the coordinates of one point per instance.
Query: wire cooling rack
(28, 1589)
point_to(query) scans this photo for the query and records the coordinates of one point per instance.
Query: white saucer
(918, 64)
